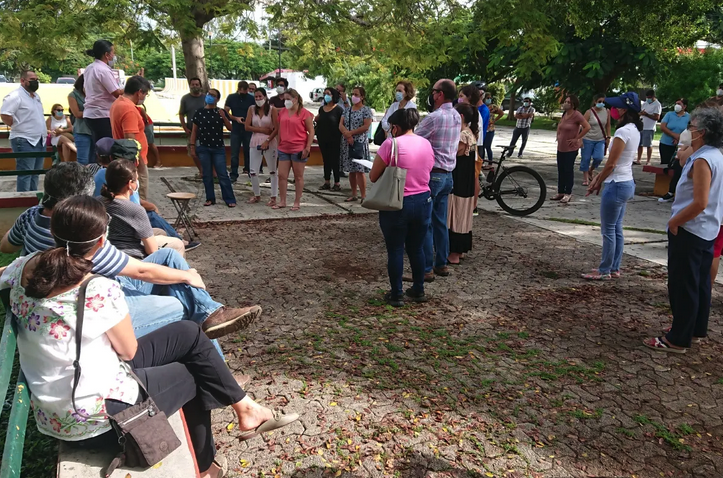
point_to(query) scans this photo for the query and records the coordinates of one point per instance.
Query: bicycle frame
(488, 190)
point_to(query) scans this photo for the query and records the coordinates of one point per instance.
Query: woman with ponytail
(130, 230)
(176, 363)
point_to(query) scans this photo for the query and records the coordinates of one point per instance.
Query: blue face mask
(327, 99)
(488, 101)
(600, 105)
(210, 99)
(649, 100)
(399, 96)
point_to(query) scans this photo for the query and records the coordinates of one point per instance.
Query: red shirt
(126, 119)
(292, 130)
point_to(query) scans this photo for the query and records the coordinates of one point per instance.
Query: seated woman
(61, 131)
(175, 363)
(130, 230)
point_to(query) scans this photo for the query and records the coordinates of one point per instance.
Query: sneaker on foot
(268, 181)
(192, 245)
(416, 296)
(475, 213)
(225, 320)
(667, 198)
(393, 301)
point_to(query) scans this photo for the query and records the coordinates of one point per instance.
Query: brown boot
(225, 321)
(442, 271)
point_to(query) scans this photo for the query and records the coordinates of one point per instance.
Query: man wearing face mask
(237, 105)
(22, 111)
(190, 103)
(718, 98)
(343, 98)
(650, 113)
(524, 116)
(127, 123)
(281, 86)
(101, 89)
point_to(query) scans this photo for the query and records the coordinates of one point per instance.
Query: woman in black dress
(328, 136)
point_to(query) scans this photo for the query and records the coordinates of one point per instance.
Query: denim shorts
(646, 138)
(594, 150)
(295, 157)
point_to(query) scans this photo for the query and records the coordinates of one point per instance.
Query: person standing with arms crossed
(237, 105)
(190, 103)
(524, 116)
(442, 128)
(22, 112)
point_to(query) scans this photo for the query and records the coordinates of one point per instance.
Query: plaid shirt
(526, 122)
(442, 129)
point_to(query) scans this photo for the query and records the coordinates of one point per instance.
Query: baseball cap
(629, 100)
(103, 145)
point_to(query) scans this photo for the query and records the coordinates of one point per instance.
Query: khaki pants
(164, 241)
(142, 180)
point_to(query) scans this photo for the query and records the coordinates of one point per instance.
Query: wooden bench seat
(662, 178)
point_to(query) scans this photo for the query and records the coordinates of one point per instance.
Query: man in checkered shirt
(524, 116)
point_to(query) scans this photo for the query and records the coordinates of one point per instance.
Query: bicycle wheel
(520, 190)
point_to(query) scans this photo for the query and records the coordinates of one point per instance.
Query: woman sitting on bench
(176, 363)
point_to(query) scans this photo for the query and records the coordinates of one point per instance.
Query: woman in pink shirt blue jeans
(408, 226)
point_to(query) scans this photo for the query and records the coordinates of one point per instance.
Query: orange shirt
(125, 119)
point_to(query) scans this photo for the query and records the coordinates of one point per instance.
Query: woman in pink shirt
(570, 131)
(296, 132)
(408, 226)
(101, 89)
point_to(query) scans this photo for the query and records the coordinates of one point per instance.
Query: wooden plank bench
(662, 178)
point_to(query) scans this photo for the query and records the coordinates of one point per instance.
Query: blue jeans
(160, 223)
(21, 145)
(615, 198)
(437, 234)
(487, 146)
(594, 150)
(237, 139)
(215, 158)
(86, 148)
(406, 227)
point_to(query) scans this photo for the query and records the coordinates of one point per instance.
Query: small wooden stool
(180, 202)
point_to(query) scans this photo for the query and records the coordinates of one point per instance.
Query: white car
(317, 94)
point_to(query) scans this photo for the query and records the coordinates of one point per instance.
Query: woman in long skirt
(462, 200)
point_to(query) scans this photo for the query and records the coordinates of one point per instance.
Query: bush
(694, 76)
(548, 100)
(498, 91)
(42, 77)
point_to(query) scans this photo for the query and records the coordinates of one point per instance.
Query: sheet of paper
(364, 162)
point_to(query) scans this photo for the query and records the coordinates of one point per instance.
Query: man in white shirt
(22, 111)
(650, 112)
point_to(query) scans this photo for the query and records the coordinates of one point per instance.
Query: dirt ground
(515, 368)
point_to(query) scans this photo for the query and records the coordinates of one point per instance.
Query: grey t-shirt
(129, 224)
(189, 105)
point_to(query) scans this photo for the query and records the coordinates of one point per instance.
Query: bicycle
(519, 190)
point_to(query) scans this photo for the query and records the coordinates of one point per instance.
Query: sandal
(209, 203)
(278, 206)
(596, 275)
(585, 183)
(696, 340)
(278, 421)
(351, 199)
(254, 200)
(657, 344)
(325, 187)
(295, 208)
(272, 202)
(231, 204)
(566, 199)
(557, 197)
(336, 187)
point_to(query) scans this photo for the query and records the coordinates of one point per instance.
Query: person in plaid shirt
(442, 129)
(524, 116)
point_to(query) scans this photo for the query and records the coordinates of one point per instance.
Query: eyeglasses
(434, 90)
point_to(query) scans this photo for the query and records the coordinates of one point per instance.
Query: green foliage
(42, 77)
(498, 91)
(547, 100)
(693, 75)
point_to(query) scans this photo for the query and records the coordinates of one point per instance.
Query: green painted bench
(29, 172)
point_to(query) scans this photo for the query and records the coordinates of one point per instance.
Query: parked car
(3, 79)
(65, 80)
(317, 94)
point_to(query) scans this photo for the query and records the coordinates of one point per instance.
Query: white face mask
(280, 89)
(288, 104)
(111, 63)
(719, 92)
(260, 103)
(678, 108)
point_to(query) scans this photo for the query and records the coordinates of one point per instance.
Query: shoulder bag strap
(602, 128)
(394, 160)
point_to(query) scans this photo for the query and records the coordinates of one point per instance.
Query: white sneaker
(667, 198)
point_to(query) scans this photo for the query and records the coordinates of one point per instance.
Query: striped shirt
(31, 231)
(442, 128)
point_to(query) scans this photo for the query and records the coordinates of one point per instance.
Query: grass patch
(541, 122)
(671, 437)
(626, 432)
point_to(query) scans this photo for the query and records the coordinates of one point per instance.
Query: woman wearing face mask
(495, 114)
(693, 227)
(296, 133)
(82, 135)
(101, 89)
(354, 124)
(403, 95)
(571, 129)
(130, 229)
(61, 131)
(673, 124)
(208, 126)
(261, 120)
(617, 175)
(328, 137)
(596, 141)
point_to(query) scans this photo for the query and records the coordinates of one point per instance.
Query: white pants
(257, 156)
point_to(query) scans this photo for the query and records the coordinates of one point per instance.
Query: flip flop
(277, 206)
(296, 208)
(351, 199)
(278, 421)
(657, 344)
(221, 462)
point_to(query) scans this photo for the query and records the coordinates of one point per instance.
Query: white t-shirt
(46, 342)
(623, 170)
(654, 108)
(55, 124)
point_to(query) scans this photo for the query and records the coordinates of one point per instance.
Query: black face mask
(430, 102)
(33, 85)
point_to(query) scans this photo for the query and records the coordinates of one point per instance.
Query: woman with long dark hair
(177, 363)
(328, 137)
(617, 175)
(570, 131)
(101, 89)
(354, 124)
(261, 120)
(82, 134)
(462, 199)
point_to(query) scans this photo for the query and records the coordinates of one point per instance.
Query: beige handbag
(387, 194)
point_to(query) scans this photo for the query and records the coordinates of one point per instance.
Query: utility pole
(278, 39)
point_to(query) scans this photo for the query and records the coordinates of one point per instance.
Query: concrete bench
(662, 178)
(80, 463)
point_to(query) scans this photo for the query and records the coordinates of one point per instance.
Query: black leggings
(99, 128)
(181, 369)
(667, 152)
(331, 154)
(677, 173)
(566, 171)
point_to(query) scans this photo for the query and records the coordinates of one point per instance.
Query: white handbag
(387, 194)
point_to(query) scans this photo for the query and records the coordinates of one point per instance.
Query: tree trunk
(194, 56)
(511, 112)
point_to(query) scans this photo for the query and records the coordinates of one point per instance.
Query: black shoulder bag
(144, 433)
(356, 149)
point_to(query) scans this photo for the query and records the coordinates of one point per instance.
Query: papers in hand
(364, 162)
